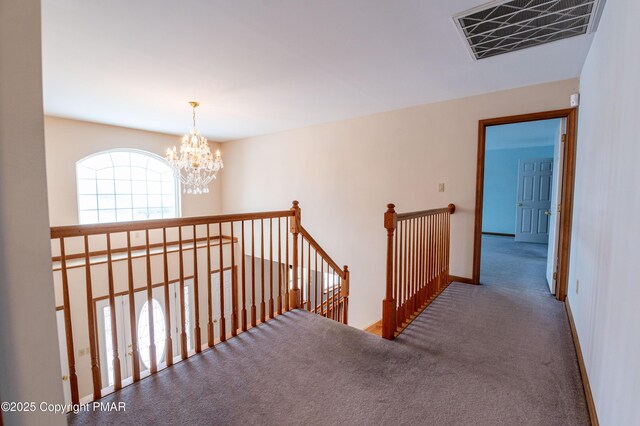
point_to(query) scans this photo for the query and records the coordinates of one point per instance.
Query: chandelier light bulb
(195, 166)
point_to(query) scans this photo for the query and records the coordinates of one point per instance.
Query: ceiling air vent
(507, 26)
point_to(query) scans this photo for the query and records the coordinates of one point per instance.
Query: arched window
(124, 185)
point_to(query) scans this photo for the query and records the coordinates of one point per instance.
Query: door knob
(548, 212)
(519, 204)
(65, 378)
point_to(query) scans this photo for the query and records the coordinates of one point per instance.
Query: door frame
(566, 203)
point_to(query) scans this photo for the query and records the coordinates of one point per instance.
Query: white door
(228, 308)
(105, 344)
(142, 328)
(554, 211)
(534, 200)
(123, 328)
(176, 319)
(64, 361)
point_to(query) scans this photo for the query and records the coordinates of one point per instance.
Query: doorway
(523, 200)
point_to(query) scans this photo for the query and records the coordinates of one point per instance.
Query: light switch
(441, 187)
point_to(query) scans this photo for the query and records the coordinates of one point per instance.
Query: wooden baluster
(196, 294)
(439, 252)
(407, 237)
(452, 210)
(425, 254)
(301, 273)
(345, 296)
(234, 287)
(442, 219)
(336, 294)
(322, 286)
(135, 354)
(71, 359)
(286, 270)
(253, 275)
(432, 257)
(183, 327)
(210, 332)
(416, 286)
(414, 263)
(244, 290)
(317, 295)
(271, 305)
(279, 298)
(395, 296)
(421, 243)
(301, 263)
(167, 303)
(152, 339)
(329, 291)
(117, 375)
(409, 268)
(262, 304)
(308, 276)
(339, 299)
(423, 297)
(339, 302)
(418, 265)
(447, 217)
(399, 318)
(223, 325)
(442, 251)
(339, 296)
(93, 346)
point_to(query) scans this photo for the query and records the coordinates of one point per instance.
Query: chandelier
(196, 165)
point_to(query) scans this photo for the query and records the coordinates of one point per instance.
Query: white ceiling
(262, 66)
(523, 135)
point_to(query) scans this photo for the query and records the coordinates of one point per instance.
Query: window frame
(176, 181)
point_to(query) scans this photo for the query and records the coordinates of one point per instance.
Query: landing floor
(478, 355)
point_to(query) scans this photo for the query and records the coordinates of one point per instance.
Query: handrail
(323, 253)
(275, 266)
(417, 265)
(140, 225)
(451, 208)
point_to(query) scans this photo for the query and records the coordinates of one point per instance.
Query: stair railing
(417, 265)
(211, 278)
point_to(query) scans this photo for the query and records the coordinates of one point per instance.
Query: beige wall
(344, 174)
(606, 230)
(68, 141)
(29, 360)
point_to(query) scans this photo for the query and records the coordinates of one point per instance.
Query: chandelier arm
(195, 166)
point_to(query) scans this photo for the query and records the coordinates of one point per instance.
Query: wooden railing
(270, 270)
(417, 264)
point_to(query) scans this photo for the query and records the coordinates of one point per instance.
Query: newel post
(389, 304)
(345, 294)
(294, 292)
